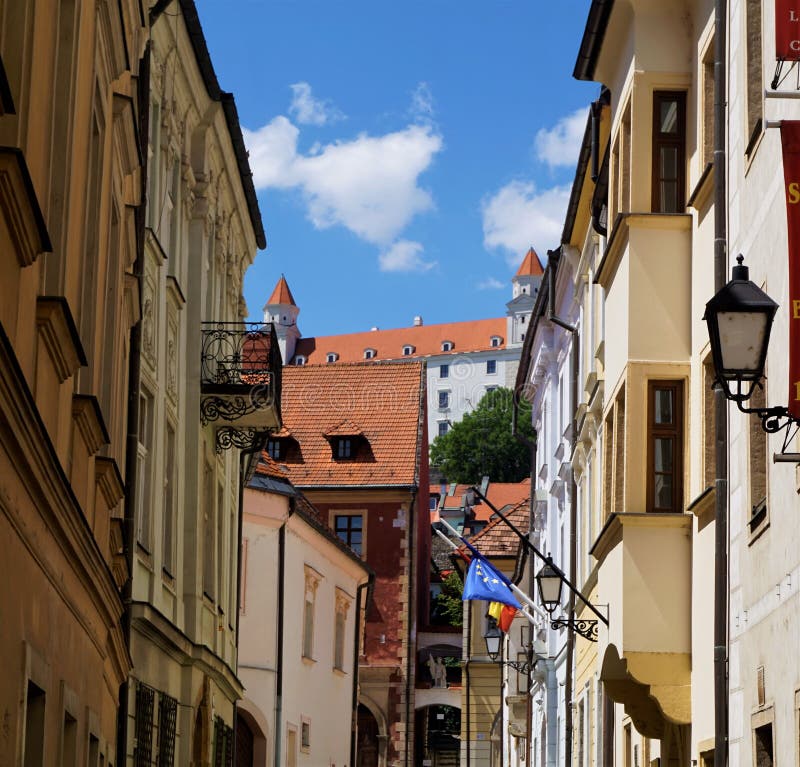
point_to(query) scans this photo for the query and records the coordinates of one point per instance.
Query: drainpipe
(279, 638)
(368, 586)
(412, 616)
(132, 430)
(466, 672)
(720, 404)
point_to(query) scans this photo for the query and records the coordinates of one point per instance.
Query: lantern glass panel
(741, 336)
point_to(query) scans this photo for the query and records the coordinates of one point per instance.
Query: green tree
(449, 604)
(481, 444)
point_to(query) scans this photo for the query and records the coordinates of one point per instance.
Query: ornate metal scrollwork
(585, 627)
(231, 408)
(242, 438)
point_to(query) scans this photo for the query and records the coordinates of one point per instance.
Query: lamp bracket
(587, 628)
(520, 666)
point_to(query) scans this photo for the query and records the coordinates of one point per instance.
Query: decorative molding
(88, 417)
(58, 332)
(109, 480)
(343, 602)
(20, 208)
(313, 579)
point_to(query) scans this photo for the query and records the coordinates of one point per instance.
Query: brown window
(349, 529)
(669, 151)
(665, 446)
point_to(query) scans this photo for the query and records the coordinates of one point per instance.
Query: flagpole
(518, 591)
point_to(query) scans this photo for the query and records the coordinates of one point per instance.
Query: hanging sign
(787, 30)
(790, 140)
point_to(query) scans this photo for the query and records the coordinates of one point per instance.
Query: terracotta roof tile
(501, 494)
(270, 468)
(386, 400)
(281, 294)
(531, 266)
(388, 344)
(497, 539)
(345, 429)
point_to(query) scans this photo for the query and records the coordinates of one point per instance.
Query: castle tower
(525, 287)
(282, 311)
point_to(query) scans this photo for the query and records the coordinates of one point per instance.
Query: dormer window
(408, 350)
(344, 448)
(447, 346)
(299, 360)
(348, 442)
(275, 449)
(496, 341)
(332, 357)
(369, 354)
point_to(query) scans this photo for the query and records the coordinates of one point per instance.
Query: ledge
(109, 480)
(703, 188)
(89, 419)
(20, 208)
(57, 330)
(611, 534)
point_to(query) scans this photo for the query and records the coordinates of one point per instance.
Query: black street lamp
(493, 638)
(549, 583)
(739, 319)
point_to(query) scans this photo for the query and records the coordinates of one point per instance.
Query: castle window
(496, 341)
(299, 360)
(369, 354)
(408, 350)
(491, 367)
(447, 346)
(332, 357)
(274, 449)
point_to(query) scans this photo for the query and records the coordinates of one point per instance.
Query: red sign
(790, 139)
(787, 30)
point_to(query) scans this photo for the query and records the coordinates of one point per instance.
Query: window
(444, 399)
(669, 151)
(168, 542)
(755, 77)
(614, 458)
(369, 354)
(223, 743)
(707, 103)
(144, 498)
(291, 747)
(495, 341)
(274, 449)
(34, 726)
(299, 360)
(444, 371)
(340, 625)
(167, 714)
(447, 346)
(69, 741)
(665, 446)
(208, 532)
(349, 528)
(408, 350)
(143, 726)
(344, 448)
(332, 357)
(305, 736)
(763, 746)
(522, 320)
(709, 446)
(490, 389)
(444, 427)
(313, 579)
(491, 367)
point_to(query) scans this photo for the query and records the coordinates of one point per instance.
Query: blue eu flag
(485, 583)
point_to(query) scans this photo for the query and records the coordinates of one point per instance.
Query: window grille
(167, 714)
(223, 743)
(143, 751)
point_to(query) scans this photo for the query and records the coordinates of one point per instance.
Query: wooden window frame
(335, 516)
(676, 431)
(660, 140)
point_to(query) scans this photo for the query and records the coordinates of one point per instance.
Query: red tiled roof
(531, 266)
(345, 429)
(501, 494)
(386, 400)
(282, 294)
(270, 468)
(497, 539)
(469, 336)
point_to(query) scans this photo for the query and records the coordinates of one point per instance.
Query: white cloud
(369, 184)
(404, 256)
(561, 145)
(490, 283)
(308, 110)
(519, 216)
(422, 104)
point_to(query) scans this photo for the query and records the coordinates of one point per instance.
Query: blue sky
(405, 153)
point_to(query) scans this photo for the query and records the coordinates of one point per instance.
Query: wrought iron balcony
(240, 380)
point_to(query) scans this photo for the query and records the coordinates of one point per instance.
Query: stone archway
(368, 742)
(437, 731)
(251, 735)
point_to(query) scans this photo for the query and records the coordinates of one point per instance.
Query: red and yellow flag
(503, 615)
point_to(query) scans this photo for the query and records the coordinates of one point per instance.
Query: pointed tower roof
(281, 294)
(531, 266)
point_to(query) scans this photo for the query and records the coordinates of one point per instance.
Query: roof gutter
(592, 42)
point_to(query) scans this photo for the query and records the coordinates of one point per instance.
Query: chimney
(417, 321)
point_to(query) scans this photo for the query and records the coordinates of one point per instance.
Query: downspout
(531, 590)
(132, 431)
(279, 637)
(720, 403)
(368, 586)
(573, 552)
(412, 616)
(466, 672)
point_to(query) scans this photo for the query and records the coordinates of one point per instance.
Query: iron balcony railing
(240, 371)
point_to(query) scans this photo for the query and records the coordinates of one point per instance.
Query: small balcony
(240, 377)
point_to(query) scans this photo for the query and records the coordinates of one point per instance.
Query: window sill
(758, 524)
(339, 671)
(308, 661)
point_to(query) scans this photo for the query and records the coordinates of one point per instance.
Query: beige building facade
(202, 229)
(69, 194)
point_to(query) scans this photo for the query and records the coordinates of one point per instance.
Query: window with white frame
(144, 500)
(447, 346)
(312, 581)
(340, 626)
(444, 371)
(444, 427)
(496, 341)
(408, 350)
(444, 400)
(299, 360)
(369, 354)
(332, 357)
(491, 367)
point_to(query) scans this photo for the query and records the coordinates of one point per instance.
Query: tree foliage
(481, 444)
(449, 605)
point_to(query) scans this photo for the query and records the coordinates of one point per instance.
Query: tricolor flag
(502, 614)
